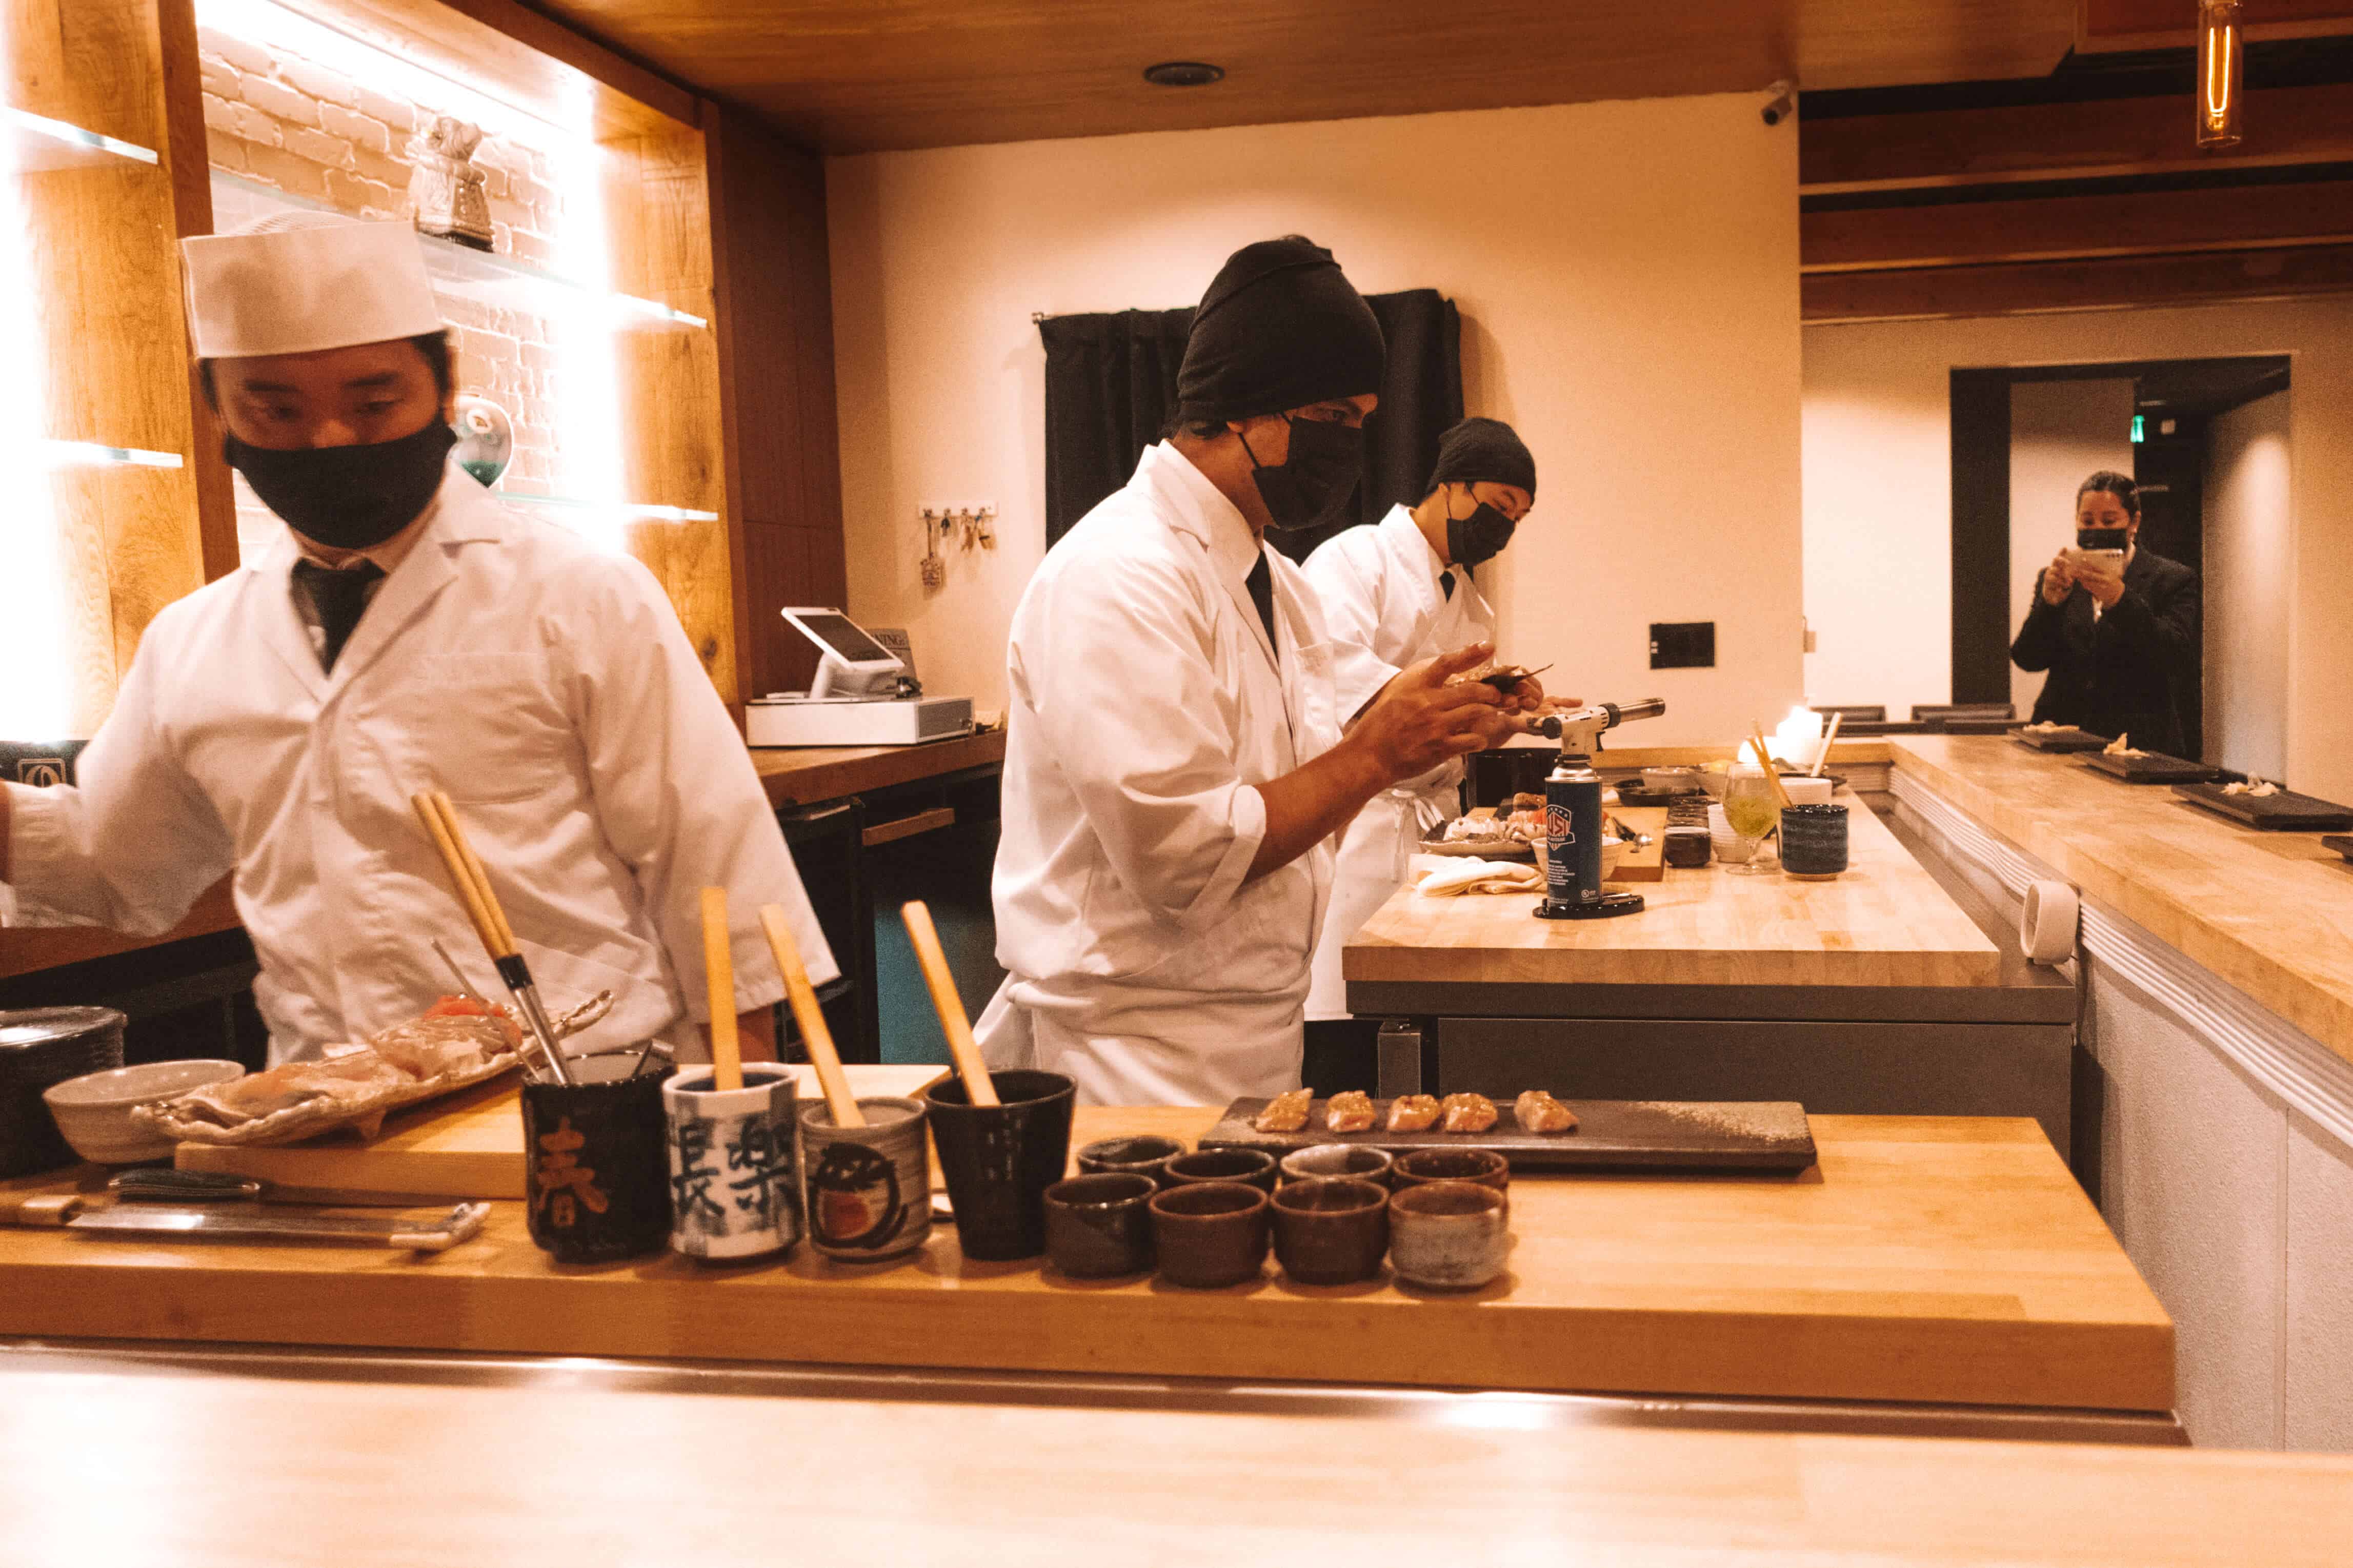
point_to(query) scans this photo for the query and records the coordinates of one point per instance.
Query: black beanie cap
(1280, 328)
(1484, 450)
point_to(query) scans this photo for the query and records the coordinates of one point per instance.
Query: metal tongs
(434, 810)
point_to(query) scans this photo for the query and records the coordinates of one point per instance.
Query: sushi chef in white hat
(406, 632)
(1177, 764)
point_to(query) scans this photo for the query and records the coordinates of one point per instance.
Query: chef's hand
(2058, 579)
(2104, 581)
(1420, 721)
(1526, 696)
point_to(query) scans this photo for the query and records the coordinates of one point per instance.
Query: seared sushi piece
(1537, 1111)
(1413, 1112)
(1351, 1110)
(1468, 1112)
(1286, 1112)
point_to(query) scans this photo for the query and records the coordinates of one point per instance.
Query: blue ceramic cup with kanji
(735, 1164)
(595, 1160)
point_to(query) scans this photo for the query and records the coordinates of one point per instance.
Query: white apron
(1145, 703)
(1378, 587)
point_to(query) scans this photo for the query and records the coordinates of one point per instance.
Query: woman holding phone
(2116, 625)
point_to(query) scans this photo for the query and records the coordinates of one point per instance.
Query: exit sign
(2136, 429)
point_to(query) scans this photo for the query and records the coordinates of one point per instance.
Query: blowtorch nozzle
(1591, 721)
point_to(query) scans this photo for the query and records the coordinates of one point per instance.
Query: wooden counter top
(565, 1469)
(2268, 912)
(1941, 1261)
(1886, 922)
(803, 775)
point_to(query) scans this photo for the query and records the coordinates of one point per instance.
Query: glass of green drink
(1753, 812)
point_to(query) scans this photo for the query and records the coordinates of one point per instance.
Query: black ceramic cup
(1419, 1167)
(1331, 1230)
(1813, 840)
(1253, 1167)
(1144, 1155)
(596, 1161)
(1099, 1226)
(1209, 1234)
(1000, 1159)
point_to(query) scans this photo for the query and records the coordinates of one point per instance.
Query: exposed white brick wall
(278, 120)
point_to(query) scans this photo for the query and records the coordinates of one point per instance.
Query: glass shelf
(625, 507)
(480, 275)
(38, 145)
(94, 454)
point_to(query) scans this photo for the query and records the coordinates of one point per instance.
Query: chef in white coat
(1177, 769)
(1395, 591)
(406, 632)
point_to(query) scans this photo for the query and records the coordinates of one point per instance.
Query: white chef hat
(302, 281)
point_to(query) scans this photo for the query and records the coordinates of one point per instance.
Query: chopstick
(814, 1034)
(1764, 757)
(435, 810)
(1828, 741)
(719, 971)
(978, 1086)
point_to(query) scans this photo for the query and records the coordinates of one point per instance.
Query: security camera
(1783, 103)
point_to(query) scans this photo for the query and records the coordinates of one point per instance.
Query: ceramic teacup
(1210, 1233)
(1357, 1160)
(1416, 1167)
(1331, 1230)
(1448, 1236)
(1146, 1154)
(1099, 1225)
(1253, 1167)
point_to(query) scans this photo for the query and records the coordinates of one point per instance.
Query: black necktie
(1261, 583)
(339, 597)
(1446, 583)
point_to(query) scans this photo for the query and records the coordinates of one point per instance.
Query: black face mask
(1472, 541)
(347, 498)
(1312, 486)
(2101, 538)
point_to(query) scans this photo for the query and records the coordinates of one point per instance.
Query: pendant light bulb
(2222, 71)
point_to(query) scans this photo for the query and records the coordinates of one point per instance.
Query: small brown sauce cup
(1210, 1235)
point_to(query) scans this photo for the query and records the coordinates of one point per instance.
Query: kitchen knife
(162, 1184)
(244, 1222)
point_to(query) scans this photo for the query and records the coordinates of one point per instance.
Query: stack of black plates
(40, 1047)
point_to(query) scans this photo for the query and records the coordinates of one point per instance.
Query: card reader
(854, 699)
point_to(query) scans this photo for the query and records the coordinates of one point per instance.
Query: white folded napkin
(1458, 877)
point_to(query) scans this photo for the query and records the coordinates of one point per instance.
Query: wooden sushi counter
(1923, 1263)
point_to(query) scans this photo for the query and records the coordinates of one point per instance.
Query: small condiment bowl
(1420, 1167)
(1356, 1160)
(1101, 1225)
(1331, 1230)
(1253, 1167)
(93, 1110)
(1449, 1236)
(1146, 1154)
(1210, 1235)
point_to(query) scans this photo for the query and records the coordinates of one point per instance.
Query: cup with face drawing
(870, 1194)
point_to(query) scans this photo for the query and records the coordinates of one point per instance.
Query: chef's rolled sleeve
(1133, 714)
(676, 794)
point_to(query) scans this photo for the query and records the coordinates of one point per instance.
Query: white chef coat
(546, 685)
(1145, 702)
(1378, 584)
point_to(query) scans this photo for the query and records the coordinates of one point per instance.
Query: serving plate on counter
(2064, 741)
(2285, 812)
(2152, 768)
(1750, 1136)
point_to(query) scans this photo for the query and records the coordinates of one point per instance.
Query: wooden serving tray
(1610, 1135)
(2285, 812)
(2155, 767)
(2062, 741)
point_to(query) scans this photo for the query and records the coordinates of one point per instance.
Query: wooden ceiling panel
(1956, 234)
(863, 75)
(2108, 283)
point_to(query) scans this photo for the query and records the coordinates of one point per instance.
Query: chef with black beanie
(1177, 766)
(1395, 591)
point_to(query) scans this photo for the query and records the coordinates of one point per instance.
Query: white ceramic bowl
(94, 1110)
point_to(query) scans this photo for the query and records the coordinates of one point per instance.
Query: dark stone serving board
(1610, 1135)
(2339, 842)
(2154, 767)
(2062, 741)
(2285, 812)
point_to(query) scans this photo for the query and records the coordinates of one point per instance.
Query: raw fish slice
(1469, 1112)
(1286, 1112)
(1351, 1110)
(1537, 1111)
(351, 1077)
(1413, 1112)
(437, 1043)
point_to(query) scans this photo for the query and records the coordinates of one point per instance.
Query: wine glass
(1752, 810)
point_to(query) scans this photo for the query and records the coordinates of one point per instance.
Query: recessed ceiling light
(1183, 73)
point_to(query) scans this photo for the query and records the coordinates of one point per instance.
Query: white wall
(2060, 433)
(1627, 273)
(1879, 578)
(2250, 534)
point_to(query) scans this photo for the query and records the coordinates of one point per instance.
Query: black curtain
(1111, 386)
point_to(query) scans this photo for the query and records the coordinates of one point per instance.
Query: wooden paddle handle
(475, 869)
(802, 997)
(977, 1086)
(460, 880)
(719, 971)
(1764, 760)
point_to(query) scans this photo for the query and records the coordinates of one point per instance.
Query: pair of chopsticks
(1764, 757)
(472, 883)
(726, 1060)
(1828, 741)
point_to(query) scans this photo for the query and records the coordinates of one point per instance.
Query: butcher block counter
(1941, 1263)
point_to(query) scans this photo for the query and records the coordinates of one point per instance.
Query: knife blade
(74, 1210)
(162, 1184)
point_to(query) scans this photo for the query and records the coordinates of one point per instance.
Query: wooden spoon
(977, 1087)
(814, 1034)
